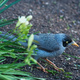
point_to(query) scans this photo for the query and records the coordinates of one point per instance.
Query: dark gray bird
(49, 45)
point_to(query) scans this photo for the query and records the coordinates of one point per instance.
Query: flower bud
(29, 18)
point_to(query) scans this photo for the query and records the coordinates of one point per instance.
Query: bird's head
(66, 40)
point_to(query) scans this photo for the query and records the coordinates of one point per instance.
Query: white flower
(23, 19)
(26, 22)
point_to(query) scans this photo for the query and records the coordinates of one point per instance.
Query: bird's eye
(67, 42)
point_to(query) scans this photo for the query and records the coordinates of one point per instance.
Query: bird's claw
(61, 70)
(44, 69)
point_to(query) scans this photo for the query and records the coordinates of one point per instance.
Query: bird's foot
(59, 69)
(55, 67)
(42, 68)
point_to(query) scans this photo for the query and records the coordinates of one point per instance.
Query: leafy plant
(14, 50)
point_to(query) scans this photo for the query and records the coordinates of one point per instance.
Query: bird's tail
(9, 37)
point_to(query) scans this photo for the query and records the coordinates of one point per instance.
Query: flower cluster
(23, 26)
(23, 20)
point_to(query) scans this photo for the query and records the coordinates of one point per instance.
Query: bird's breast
(60, 51)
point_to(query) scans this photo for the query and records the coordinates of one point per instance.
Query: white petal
(22, 19)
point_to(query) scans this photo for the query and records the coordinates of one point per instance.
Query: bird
(48, 45)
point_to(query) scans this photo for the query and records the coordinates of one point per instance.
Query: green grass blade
(2, 2)
(71, 56)
(7, 22)
(17, 72)
(3, 77)
(16, 1)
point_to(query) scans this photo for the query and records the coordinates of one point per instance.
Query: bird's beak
(75, 44)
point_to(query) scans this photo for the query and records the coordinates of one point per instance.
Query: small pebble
(46, 3)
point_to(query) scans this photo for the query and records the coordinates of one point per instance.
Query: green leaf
(33, 47)
(68, 73)
(3, 77)
(3, 52)
(2, 2)
(68, 77)
(10, 77)
(7, 22)
(2, 59)
(71, 56)
(17, 73)
(13, 65)
(16, 1)
(34, 60)
(17, 65)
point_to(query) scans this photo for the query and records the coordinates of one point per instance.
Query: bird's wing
(46, 42)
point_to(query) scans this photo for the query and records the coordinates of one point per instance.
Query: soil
(54, 16)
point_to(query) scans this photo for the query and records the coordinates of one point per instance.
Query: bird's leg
(41, 67)
(55, 67)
